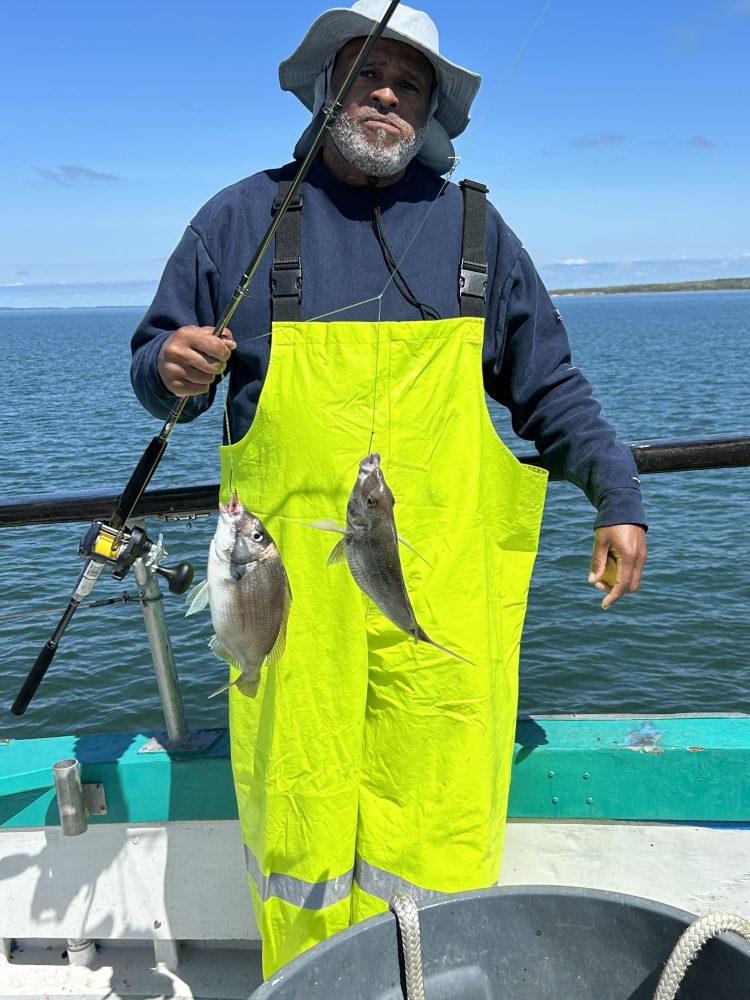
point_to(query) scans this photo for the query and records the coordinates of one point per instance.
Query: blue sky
(615, 140)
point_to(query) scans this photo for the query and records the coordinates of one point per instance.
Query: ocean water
(663, 366)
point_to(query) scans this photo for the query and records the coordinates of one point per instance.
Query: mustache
(390, 117)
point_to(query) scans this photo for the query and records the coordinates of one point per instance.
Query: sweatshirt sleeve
(186, 296)
(552, 403)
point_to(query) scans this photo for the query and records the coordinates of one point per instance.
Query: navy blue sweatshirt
(526, 355)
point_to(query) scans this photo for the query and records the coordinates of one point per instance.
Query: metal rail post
(152, 604)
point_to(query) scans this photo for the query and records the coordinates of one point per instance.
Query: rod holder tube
(81, 951)
(69, 791)
(161, 651)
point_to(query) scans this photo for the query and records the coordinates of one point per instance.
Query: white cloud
(574, 262)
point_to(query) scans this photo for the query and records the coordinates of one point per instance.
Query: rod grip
(34, 679)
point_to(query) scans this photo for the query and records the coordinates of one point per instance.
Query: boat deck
(129, 970)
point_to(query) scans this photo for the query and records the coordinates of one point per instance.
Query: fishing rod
(112, 542)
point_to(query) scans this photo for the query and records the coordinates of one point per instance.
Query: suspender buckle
(473, 280)
(286, 279)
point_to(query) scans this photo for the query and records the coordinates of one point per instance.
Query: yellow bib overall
(369, 763)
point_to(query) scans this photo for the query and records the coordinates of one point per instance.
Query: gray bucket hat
(456, 87)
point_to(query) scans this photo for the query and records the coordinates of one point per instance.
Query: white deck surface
(129, 972)
(174, 896)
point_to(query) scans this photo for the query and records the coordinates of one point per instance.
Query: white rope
(684, 952)
(691, 942)
(408, 921)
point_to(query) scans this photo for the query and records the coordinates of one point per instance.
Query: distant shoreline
(710, 285)
(141, 308)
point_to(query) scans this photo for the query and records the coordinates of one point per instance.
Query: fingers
(600, 560)
(617, 560)
(192, 357)
(621, 585)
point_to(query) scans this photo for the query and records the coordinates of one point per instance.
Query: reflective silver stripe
(383, 884)
(299, 892)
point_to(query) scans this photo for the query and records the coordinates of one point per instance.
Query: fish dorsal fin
(412, 549)
(197, 599)
(280, 645)
(338, 554)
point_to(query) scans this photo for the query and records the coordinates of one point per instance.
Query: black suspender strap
(286, 270)
(472, 280)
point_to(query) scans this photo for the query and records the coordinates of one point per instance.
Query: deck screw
(550, 774)
(586, 775)
(589, 801)
(555, 800)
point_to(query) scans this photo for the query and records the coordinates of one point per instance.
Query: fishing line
(108, 537)
(444, 185)
(494, 97)
(495, 93)
(104, 602)
(379, 297)
(375, 375)
(228, 432)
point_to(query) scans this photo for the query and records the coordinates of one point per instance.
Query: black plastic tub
(519, 943)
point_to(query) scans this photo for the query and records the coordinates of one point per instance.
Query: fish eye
(371, 501)
(256, 536)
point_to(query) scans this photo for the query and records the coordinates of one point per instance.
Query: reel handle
(178, 577)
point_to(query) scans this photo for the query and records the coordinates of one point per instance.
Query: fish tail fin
(222, 689)
(422, 635)
(248, 685)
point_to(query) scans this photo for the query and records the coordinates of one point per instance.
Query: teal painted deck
(671, 769)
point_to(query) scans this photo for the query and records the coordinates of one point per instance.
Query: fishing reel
(119, 549)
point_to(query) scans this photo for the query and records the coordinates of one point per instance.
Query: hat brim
(457, 87)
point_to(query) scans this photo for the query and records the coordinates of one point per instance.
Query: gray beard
(372, 156)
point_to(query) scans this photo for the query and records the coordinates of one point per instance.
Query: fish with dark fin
(370, 546)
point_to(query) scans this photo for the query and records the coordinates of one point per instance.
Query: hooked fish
(370, 547)
(248, 592)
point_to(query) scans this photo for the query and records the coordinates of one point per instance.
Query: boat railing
(659, 456)
(689, 455)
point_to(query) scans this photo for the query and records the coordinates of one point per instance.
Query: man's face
(384, 121)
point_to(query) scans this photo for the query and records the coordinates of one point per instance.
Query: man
(368, 763)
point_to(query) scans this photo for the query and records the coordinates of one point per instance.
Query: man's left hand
(617, 560)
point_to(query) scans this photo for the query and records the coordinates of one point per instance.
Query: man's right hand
(192, 357)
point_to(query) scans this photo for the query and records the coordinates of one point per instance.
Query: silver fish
(370, 547)
(248, 592)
